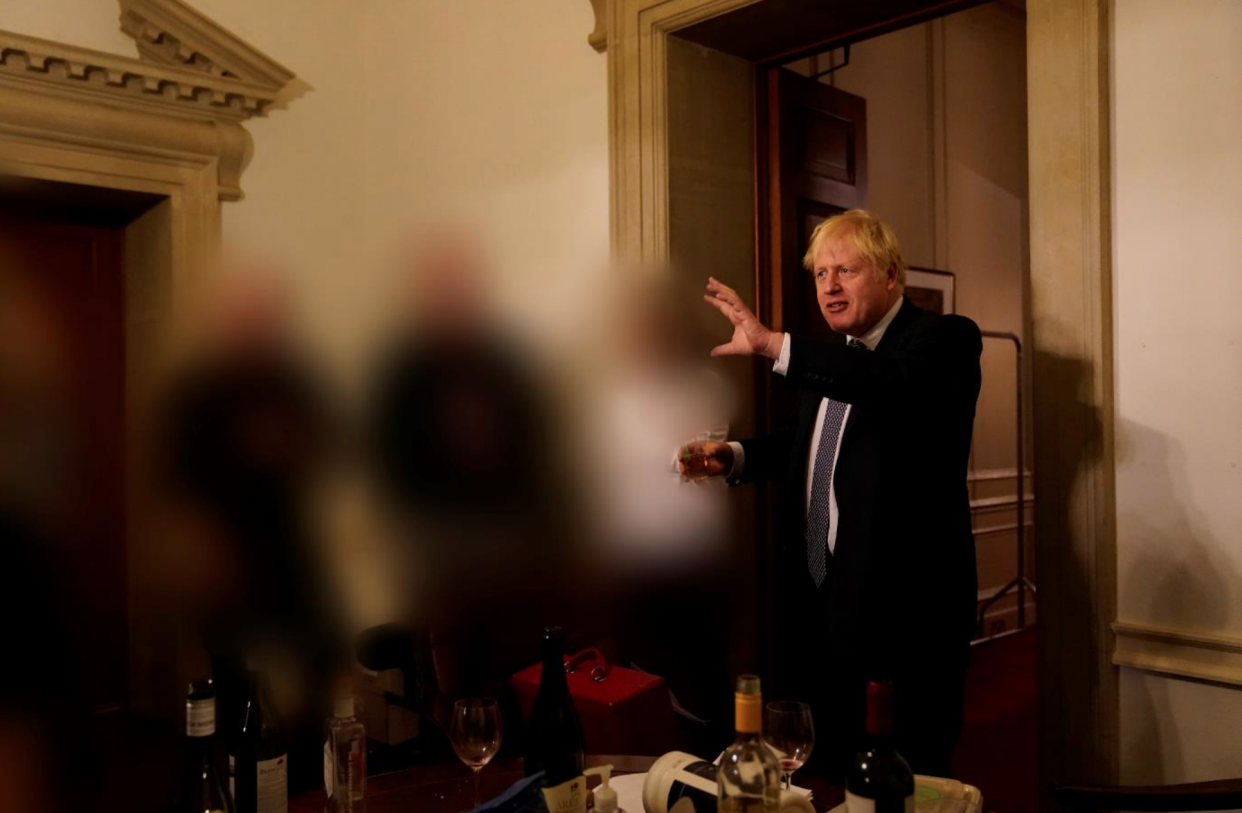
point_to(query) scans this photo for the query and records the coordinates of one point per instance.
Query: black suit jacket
(900, 596)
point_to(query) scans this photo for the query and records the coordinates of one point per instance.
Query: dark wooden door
(816, 165)
(71, 285)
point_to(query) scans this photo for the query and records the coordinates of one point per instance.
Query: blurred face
(852, 296)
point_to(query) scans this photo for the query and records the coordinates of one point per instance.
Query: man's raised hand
(750, 337)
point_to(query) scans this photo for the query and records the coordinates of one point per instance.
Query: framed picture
(930, 289)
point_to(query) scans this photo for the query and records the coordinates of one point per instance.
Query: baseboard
(1181, 653)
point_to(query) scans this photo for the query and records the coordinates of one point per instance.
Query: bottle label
(694, 787)
(327, 767)
(567, 797)
(857, 804)
(200, 718)
(273, 785)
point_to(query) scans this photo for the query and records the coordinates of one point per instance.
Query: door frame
(1071, 312)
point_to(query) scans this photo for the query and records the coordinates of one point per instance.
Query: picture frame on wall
(931, 289)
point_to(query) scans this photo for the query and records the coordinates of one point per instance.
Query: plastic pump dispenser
(605, 796)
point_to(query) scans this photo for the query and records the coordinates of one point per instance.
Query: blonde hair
(873, 240)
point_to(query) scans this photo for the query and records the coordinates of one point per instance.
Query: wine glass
(475, 731)
(790, 733)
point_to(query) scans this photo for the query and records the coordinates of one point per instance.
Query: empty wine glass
(790, 733)
(476, 731)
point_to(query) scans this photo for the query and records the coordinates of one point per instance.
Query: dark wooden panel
(74, 279)
(821, 169)
(780, 30)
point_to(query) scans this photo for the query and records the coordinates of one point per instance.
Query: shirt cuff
(739, 460)
(782, 361)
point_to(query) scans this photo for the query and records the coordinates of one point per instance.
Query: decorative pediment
(169, 32)
(116, 81)
(181, 103)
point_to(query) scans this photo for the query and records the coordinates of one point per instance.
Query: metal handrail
(1020, 583)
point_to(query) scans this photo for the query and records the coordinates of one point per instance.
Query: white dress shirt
(871, 338)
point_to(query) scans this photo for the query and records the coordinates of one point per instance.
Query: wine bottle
(879, 781)
(749, 779)
(555, 743)
(260, 762)
(201, 790)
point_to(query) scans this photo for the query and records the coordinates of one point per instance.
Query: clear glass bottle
(345, 756)
(201, 790)
(749, 779)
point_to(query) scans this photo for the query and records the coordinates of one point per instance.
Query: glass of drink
(790, 733)
(695, 463)
(476, 731)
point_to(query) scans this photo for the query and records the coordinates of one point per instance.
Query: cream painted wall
(1177, 202)
(486, 111)
(496, 113)
(88, 23)
(892, 74)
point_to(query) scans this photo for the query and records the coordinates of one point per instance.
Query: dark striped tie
(818, 519)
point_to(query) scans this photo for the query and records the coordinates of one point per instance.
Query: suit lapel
(905, 314)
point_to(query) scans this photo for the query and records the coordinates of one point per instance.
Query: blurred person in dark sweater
(461, 445)
(247, 434)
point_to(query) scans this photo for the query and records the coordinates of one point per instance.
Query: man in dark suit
(875, 574)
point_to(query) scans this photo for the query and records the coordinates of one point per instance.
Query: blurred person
(461, 444)
(660, 538)
(246, 435)
(876, 562)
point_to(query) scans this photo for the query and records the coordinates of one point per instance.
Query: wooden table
(448, 788)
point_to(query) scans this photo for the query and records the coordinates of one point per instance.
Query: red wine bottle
(201, 790)
(260, 764)
(555, 742)
(879, 781)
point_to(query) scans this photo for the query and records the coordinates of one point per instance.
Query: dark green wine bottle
(201, 789)
(555, 742)
(260, 763)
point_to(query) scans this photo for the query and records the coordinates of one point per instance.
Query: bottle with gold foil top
(749, 777)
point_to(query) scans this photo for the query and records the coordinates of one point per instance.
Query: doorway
(683, 158)
(926, 127)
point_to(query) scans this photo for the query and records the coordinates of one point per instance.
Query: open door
(813, 163)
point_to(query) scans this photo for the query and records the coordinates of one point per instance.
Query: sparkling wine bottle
(555, 744)
(201, 790)
(749, 779)
(879, 781)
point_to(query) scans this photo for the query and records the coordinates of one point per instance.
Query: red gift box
(623, 711)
